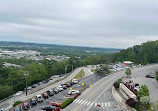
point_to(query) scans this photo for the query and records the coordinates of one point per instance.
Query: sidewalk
(118, 97)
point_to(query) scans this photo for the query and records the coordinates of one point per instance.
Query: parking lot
(60, 97)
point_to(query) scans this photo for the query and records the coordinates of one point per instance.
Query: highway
(8, 103)
(89, 97)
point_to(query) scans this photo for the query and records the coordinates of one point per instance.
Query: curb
(119, 100)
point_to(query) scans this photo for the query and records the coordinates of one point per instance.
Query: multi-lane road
(90, 97)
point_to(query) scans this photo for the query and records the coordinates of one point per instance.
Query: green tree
(143, 91)
(128, 72)
(145, 101)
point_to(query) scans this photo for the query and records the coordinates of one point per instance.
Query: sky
(92, 23)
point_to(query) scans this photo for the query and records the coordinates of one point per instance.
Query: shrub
(156, 75)
(137, 108)
(16, 103)
(145, 100)
(66, 103)
(116, 85)
(131, 102)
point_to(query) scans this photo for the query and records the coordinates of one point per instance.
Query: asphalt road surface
(90, 97)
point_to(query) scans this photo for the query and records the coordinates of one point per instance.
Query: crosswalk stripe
(95, 104)
(108, 104)
(77, 100)
(88, 103)
(105, 104)
(102, 104)
(80, 101)
(91, 104)
(83, 102)
(98, 103)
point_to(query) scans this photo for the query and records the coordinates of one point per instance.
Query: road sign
(91, 85)
(82, 84)
(70, 88)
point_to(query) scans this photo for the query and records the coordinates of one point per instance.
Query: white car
(73, 92)
(39, 98)
(60, 88)
(18, 93)
(74, 81)
(137, 88)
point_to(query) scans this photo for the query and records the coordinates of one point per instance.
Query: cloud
(94, 23)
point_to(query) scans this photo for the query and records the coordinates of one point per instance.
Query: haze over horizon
(90, 23)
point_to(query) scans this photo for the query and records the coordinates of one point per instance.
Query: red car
(45, 95)
(26, 106)
(55, 104)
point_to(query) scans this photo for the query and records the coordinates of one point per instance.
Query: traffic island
(122, 101)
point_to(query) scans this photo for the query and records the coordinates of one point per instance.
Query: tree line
(12, 79)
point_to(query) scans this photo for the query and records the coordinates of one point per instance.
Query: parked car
(18, 93)
(45, 95)
(56, 90)
(64, 86)
(50, 92)
(17, 108)
(74, 81)
(26, 105)
(33, 101)
(45, 81)
(34, 85)
(70, 92)
(55, 104)
(51, 108)
(68, 84)
(39, 98)
(60, 88)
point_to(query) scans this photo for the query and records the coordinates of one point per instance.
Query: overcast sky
(94, 23)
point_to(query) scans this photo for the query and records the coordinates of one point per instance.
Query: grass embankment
(80, 75)
(66, 103)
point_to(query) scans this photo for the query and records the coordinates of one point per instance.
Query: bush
(66, 103)
(131, 102)
(156, 75)
(116, 85)
(16, 103)
(137, 108)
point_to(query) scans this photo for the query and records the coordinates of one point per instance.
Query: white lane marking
(80, 101)
(105, 104)
(88, 103)
(95, 104)
(83, 102)
(91, 103)
(77, 100)
(102, 104)
(109, 104)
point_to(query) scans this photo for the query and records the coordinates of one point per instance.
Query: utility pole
(65, 69)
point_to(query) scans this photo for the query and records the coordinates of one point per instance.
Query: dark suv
(33, 101)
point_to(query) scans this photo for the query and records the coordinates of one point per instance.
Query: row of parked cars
(40, 98)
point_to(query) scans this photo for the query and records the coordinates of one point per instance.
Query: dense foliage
(143, 91)
(139, 54)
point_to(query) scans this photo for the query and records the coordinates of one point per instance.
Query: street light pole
(26, 74)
